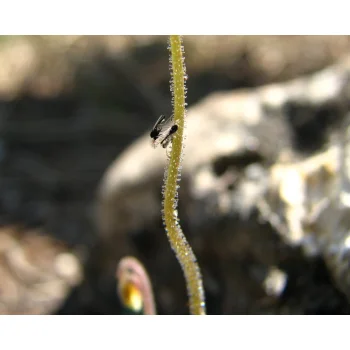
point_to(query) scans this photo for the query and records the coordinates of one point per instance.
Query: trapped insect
(163, 131)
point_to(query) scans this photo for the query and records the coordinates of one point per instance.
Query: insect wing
(162, 131)
(157, 128)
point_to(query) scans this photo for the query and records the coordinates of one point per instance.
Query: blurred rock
(260, 168)
(46, 66)
(37, 273)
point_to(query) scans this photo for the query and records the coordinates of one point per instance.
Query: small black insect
(157, 127)
(162, 132)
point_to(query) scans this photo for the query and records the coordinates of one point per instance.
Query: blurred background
(69, 105)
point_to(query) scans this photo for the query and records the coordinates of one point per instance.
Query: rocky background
(264, 185)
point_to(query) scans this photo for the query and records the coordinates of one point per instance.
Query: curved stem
(176, 237)
(134, 286)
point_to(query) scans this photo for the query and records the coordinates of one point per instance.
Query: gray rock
(37, 272)
(261, 200)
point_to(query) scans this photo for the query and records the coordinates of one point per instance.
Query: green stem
(176, 237)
